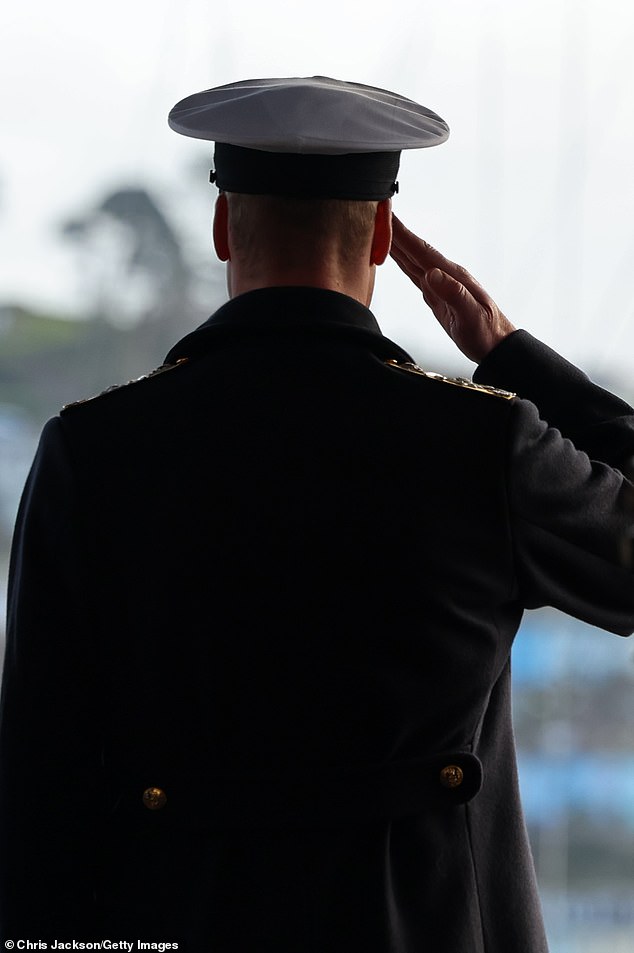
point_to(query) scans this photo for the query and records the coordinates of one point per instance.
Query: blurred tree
(142, 292)
(132, 267)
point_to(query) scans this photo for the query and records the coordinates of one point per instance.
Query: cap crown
(313, 115)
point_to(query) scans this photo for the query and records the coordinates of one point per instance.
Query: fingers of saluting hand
(417, 258)
(444, 284)
(419, 254)
(461, 305)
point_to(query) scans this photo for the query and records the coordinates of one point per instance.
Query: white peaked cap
(308, 137)
(308, 115)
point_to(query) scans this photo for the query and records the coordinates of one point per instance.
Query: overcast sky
(532, 192)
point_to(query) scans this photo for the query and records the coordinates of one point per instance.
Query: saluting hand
(470, 317)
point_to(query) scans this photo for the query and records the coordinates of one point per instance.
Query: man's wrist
(486, 371)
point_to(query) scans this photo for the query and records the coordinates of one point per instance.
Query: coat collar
(288, 309)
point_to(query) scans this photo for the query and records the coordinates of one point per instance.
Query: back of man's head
(300, 232)
(306, 168)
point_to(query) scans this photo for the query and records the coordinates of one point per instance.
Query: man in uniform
(257, 689)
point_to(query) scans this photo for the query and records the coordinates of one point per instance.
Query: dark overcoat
(256, 695)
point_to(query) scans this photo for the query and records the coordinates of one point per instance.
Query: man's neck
(357, 286)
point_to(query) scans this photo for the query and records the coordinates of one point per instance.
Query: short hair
(296, 228)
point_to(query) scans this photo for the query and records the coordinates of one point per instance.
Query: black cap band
(369, 176)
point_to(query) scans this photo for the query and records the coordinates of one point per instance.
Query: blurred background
(106, 260)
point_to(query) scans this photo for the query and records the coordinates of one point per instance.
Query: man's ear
(221, 228)
(382, 238)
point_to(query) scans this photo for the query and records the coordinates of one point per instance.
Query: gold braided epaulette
(137, 380)
(412, 368)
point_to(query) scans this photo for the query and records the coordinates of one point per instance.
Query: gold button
(451, 776)
(154, 799)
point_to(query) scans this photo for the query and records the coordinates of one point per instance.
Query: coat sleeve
(49, 739)
(570, 506)
(595, 420)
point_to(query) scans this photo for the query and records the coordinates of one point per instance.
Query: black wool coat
(256, 692)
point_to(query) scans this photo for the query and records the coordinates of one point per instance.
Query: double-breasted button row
(459, 781)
